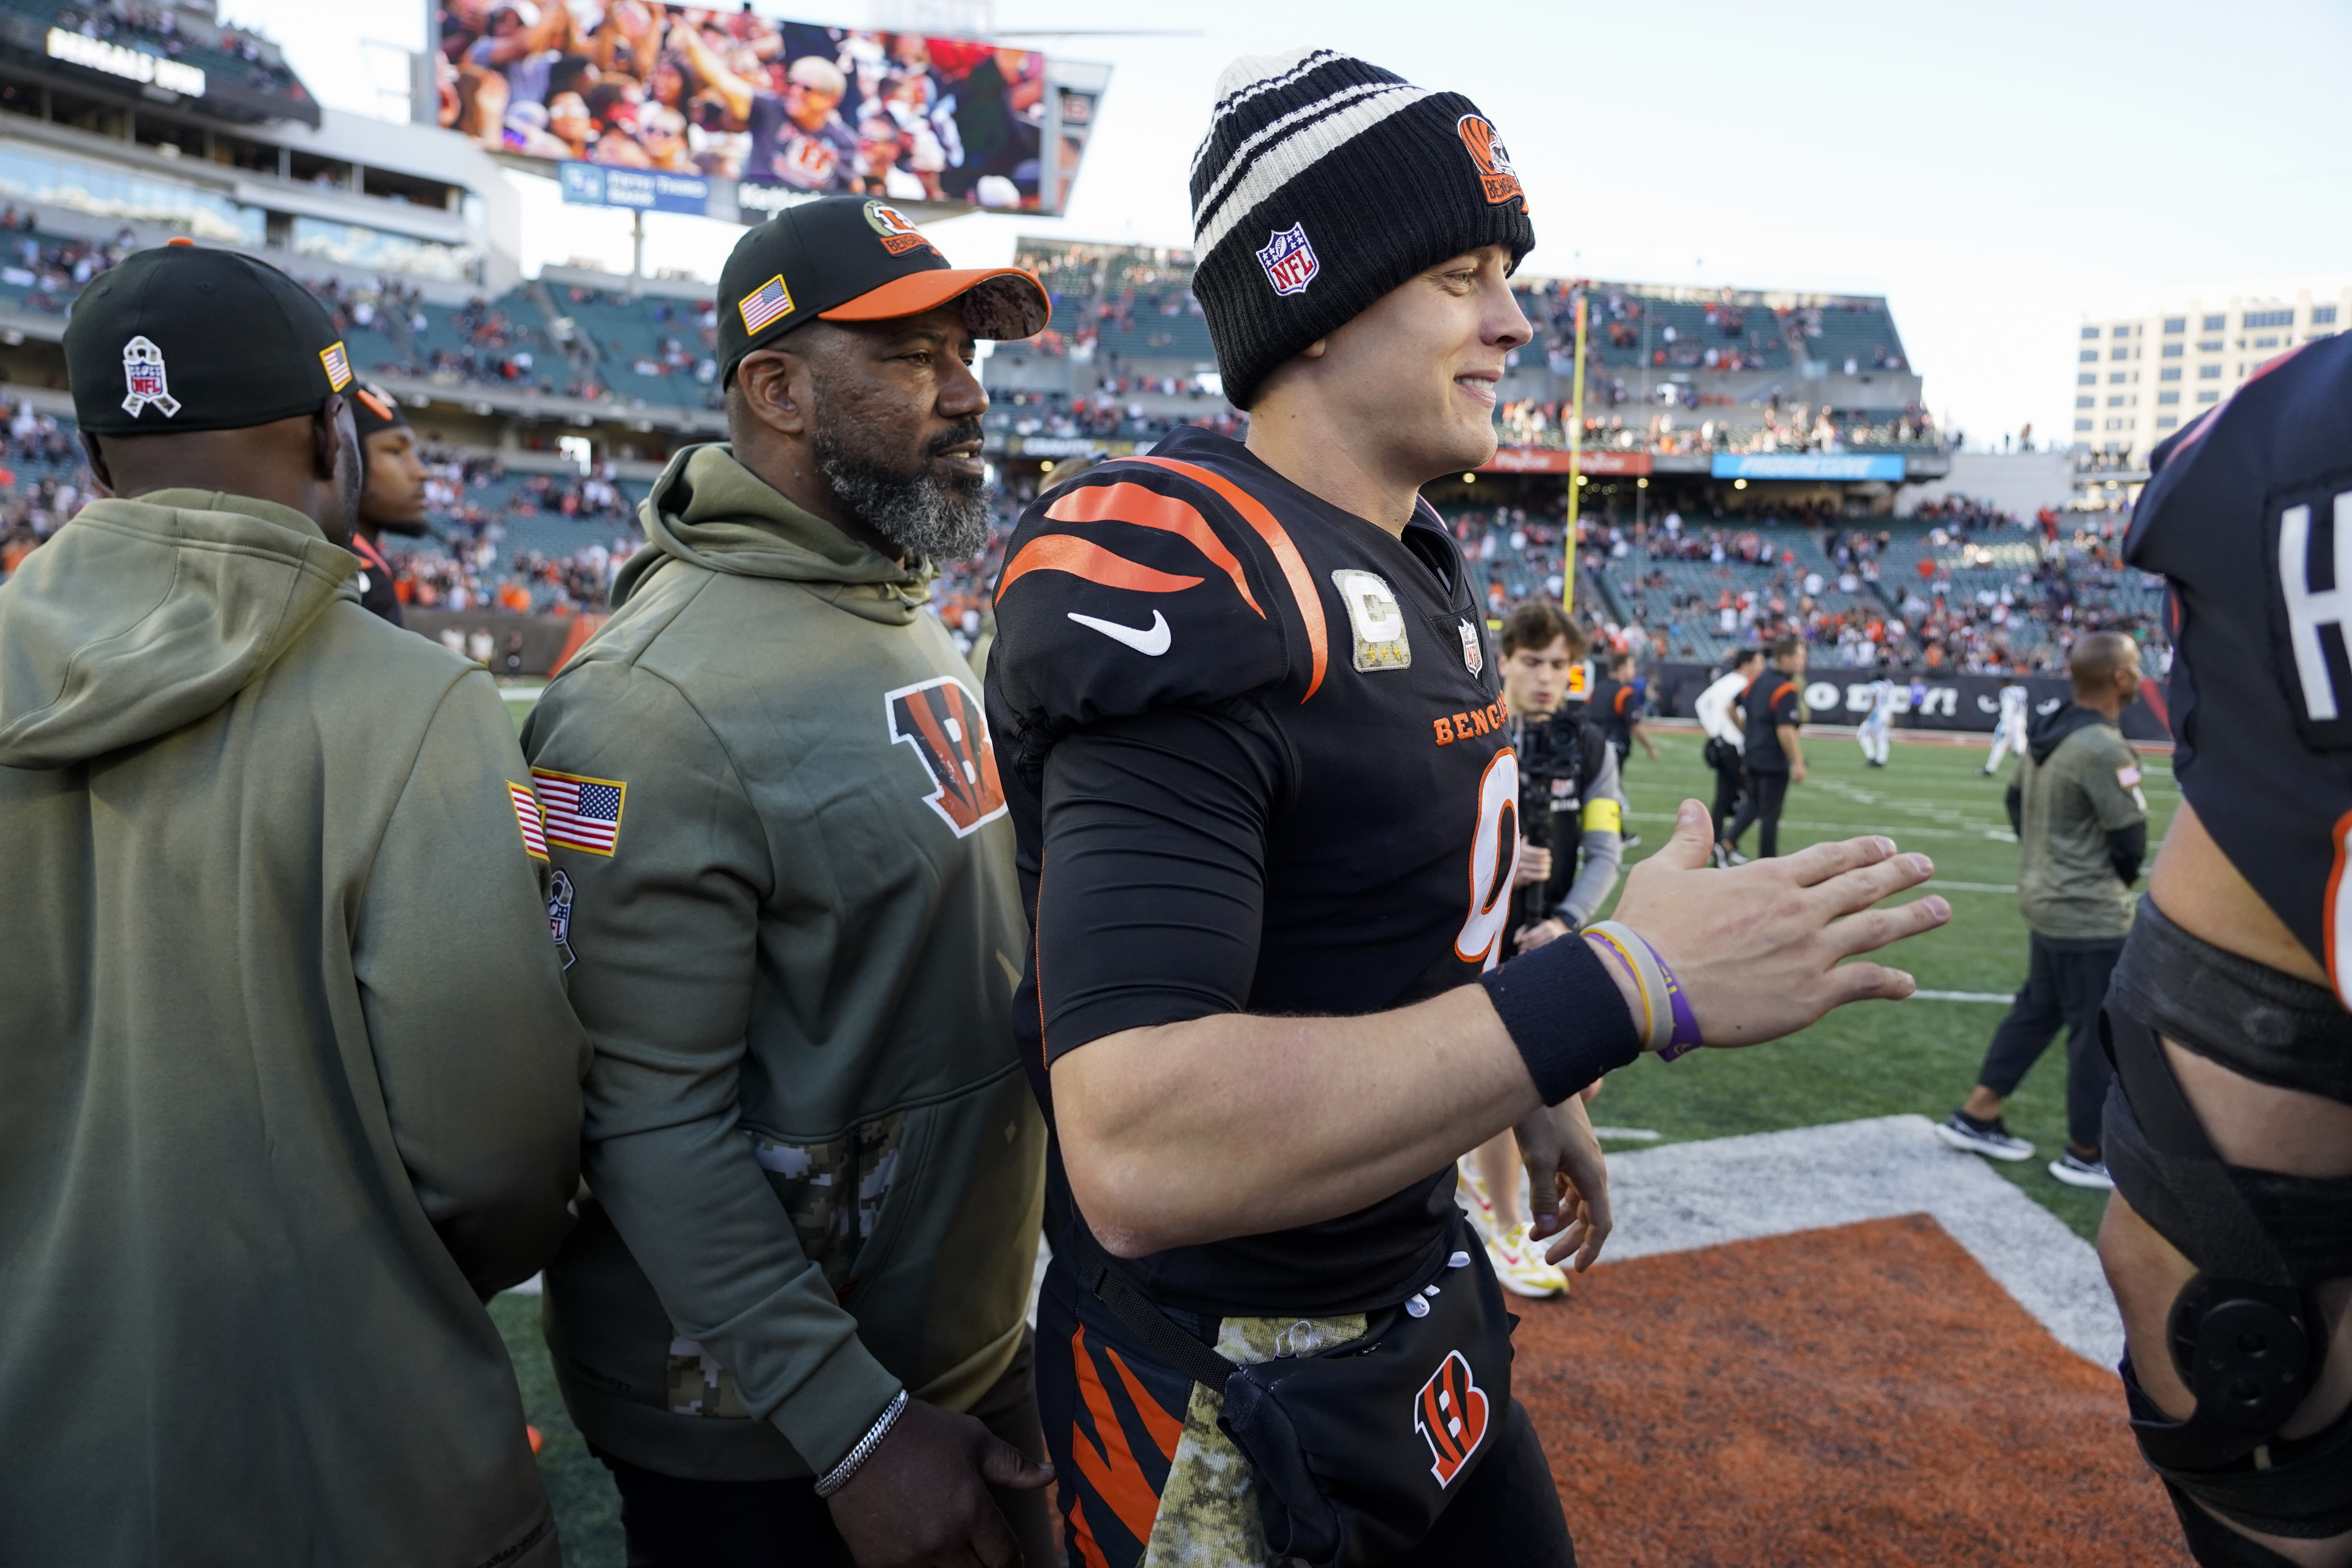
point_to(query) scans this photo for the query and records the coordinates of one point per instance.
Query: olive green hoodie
(817, 1168)
(287, 1081)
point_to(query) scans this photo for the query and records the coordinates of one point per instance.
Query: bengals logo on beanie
(1496, 176)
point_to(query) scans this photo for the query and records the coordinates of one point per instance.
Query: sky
(1998, 170)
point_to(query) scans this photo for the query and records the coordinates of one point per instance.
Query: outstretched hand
(1759, 948)
(1567, 1183)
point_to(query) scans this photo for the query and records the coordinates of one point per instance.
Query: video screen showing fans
(638, 84)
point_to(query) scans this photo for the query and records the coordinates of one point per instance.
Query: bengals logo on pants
(1449, 1413)
(941, 719)
(1496, 176)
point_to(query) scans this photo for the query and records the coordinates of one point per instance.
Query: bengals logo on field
(1496, 176)
(1449, 1413)
(941, 719)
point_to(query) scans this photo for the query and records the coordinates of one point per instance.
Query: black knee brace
(2243, 1333)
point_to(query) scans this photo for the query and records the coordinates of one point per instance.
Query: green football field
(1872, 1059)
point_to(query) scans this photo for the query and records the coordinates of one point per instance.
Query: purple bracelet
(1676, 1031)
(1687, 1035)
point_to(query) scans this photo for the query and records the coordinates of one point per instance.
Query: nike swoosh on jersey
(1151, 641)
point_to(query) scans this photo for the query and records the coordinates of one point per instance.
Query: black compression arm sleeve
(1151, 890)
(2126, 848)
(2014, 801)
(1565, 1014)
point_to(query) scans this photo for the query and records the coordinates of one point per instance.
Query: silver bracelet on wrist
(833, 1479)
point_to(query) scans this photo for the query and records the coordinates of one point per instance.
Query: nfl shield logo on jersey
(1474, 653)
(142, 374)
(1289, 261)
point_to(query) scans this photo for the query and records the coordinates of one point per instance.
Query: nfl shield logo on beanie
(1315, 141)
(1289, 261)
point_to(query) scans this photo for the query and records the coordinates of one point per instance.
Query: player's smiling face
(1423, 364)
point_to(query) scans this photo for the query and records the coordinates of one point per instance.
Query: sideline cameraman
(1568, 797)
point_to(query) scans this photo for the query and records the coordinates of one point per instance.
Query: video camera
(1551, 755)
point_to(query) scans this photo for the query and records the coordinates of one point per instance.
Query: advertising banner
(1554, 460)
(789, 109)
(1806, 466)
(1837, 696)
(592, 185)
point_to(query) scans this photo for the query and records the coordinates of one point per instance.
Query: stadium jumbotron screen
(788, 107)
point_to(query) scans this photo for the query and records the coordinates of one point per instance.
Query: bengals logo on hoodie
(941, 719)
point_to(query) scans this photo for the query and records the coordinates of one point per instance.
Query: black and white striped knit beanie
(1324, 182)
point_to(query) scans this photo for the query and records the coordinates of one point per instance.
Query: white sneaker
(1475, 1201)
(1991, 1139)
(2076, 1171)
(1519, 1265)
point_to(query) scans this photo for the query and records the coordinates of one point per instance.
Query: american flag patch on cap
(582, 813)
(338, 368)
(526, 816)
(772, 300)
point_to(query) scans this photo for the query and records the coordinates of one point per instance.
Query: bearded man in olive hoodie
(288, 1086)
(792, 1320)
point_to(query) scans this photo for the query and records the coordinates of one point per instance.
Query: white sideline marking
(1961, 996)
(1972, 887)
(1628, 1134)
(1684, 1196)
(1848, 830)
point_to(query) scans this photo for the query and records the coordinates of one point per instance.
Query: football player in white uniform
(1877, 722)
(2009, 735)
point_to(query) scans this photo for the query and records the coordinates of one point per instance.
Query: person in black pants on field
(1718, 714)
(1774, 760)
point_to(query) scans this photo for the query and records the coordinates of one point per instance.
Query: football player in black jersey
(392, 496)
(1255, 757)
(2228, 1130)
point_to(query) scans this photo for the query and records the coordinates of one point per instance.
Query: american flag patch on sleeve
(339, 366)
(582, 813)
(528, 818)
(764, 304)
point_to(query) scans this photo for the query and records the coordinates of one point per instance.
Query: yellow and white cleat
(1519, 1265)
(1477, 1202)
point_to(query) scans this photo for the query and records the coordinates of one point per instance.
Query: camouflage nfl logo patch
(1290, 260)
(142, 374)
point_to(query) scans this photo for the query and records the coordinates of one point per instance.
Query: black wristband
(1565, 1014)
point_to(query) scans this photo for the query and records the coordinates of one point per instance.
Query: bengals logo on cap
(900, 234)
(1496, 176)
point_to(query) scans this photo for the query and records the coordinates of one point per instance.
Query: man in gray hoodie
(288, 1083)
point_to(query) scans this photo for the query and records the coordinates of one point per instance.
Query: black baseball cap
(374, 411)
(857, 259)
(186, 337)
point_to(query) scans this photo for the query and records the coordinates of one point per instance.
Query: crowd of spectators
(641, 85)
(468, 563)
(51, 270)
(1102, 418)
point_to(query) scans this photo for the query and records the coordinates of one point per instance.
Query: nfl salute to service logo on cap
(1324, 182)
(185, 338)
(854, 258)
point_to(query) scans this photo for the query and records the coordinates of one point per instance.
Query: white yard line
(1628, 1134)
(2002, 997)
(1684, 1196)
(1972, 887)
(1848, 830)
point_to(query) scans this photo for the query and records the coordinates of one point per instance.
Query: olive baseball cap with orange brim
(858, 259)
